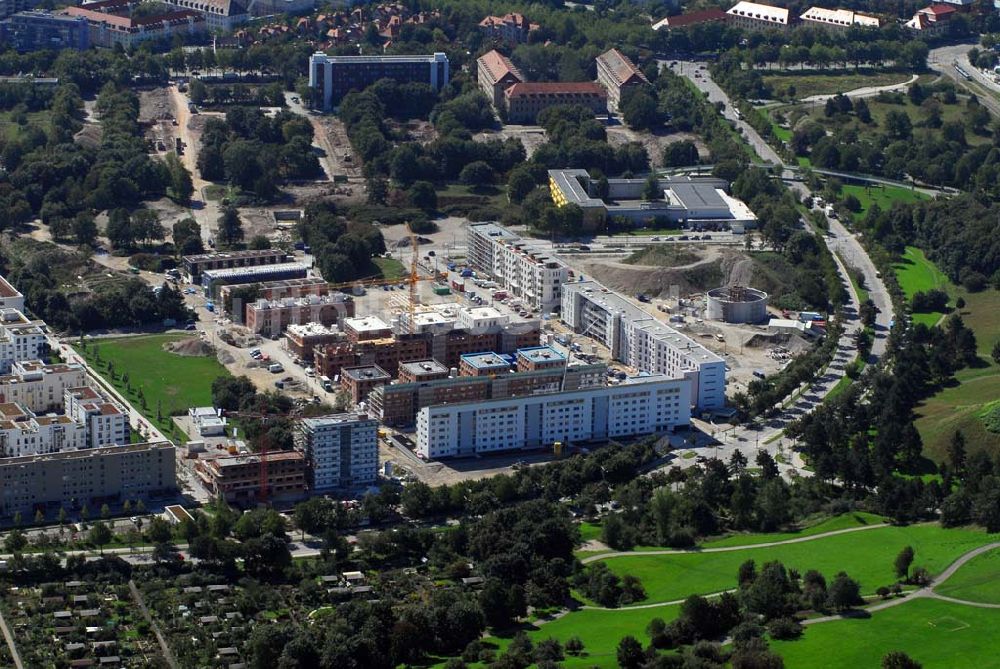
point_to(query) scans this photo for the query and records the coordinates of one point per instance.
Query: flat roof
(483, 312)
(222, 255)
(421, 367)
(365, 373)
(692, 195)
(437, 56)
(541, 354)
(365, 324)
(487, 360)
(255, 270)
(615, 303)
(311, 330)
(337, 419)
(492, 230)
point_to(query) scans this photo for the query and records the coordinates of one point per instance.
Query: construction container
(442, 290)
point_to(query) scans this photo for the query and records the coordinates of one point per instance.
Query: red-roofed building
(691, 19)
(616, 73)
(496, 74)
(107, 30)
(511, 28)
(932, 19)
(523, 101)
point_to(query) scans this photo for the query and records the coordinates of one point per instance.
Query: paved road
(865, 91)
(768, 437)
(943, 60)
(926, 591)
(697, 72)
(730, 549)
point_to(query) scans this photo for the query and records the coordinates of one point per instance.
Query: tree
(519, 184)
(100, 535)
(230, 227)
(903, 562)
(477, 173)
(897, 659)
(105, 512)
(995, 354)
(187, 237)
(15, 541)
(259, 243)
(651, 189)
(844, 592)
(180, 179)
(39, 517)
(639, 110)
(85, 229)
(630, 655)
(680, 154)
(956, 453)
(158, 531)
(574, 646)
(423, 196)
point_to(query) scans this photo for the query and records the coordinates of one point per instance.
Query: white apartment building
(641, 341)
(105, 420)
(20, 338)
(756, 16)
(527, 272)
(840, 19)
(10, 297)
(24, 433)
(40, 387)
(341, 449)
(642, 405)
(476, 318)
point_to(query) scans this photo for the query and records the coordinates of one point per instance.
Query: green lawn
(959, 407)
(867, 556)
(918, 274)
(167, 380)
(590, 531)
(977, 581)
(829, 83)
(883, 196)
(12, 130)
(937, 634)
(841, 522)
(390, 268)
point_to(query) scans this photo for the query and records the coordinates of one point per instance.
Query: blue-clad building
(36, 30)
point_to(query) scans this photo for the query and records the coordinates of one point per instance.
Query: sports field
(918, 274)
(937, 634)
(867, 556)
(170, 381)
(977, 581)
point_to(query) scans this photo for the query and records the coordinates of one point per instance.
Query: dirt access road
(203, 210)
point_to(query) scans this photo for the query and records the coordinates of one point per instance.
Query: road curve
(730, 549)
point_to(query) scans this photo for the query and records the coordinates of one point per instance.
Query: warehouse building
(701, 200)
(636, 407)
(194, 265)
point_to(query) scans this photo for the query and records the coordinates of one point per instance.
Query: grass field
(937, 634)
(12, 130)
(867, 556)
(883, 196)
(958, 407)
(918, 274)
(977, 581)
(829, 83)
(171, 381)
(390, 268)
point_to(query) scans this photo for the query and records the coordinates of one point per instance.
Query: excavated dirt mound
(709, 271)
(190, 348)
(792, 342)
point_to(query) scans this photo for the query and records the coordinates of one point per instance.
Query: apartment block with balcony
(341, 449)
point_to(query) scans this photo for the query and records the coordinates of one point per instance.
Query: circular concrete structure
(736, 304)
